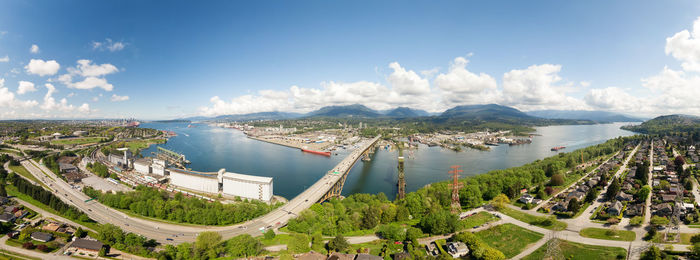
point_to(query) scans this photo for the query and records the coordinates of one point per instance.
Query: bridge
(343, 168)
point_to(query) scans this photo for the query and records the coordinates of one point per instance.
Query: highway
(172, 233)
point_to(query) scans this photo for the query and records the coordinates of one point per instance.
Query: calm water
(211, 148)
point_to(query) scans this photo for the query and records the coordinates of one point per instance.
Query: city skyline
(162, 61)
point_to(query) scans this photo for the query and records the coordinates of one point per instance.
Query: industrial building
(120, 160)
(158, 167)
(142, 166)
(233, 184)
(247, 186)
(198, 181)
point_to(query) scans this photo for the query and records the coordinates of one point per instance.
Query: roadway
(173, 233)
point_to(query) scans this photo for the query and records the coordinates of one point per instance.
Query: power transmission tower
(553, 247)
(456, 207)
(402, 181)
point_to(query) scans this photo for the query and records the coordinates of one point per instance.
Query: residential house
(526, 198)
(41, 236)
(367, 257)
(457, 249)
(615, 208)
(7, 217)
(341, 256)
(621, 196)
(85, 246)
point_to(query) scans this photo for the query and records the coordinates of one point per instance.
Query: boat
(491, 143)
(316, 152)
(557, 148)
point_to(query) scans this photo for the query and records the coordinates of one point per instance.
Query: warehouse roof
(250, 178)
(142, 161)
(202, 174)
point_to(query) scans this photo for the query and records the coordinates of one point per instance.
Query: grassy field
(576, 251)
(4, 254)
(534, 220)
(508, 238)
(9, 151)
(85, 140)
(477, 220)
(685, 238)
(25, 173)
(279, 239)
(602, 233)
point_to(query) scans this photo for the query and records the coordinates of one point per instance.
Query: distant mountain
(666, 124)
(484, 112)
(356, 110)
(248, 117)
(597, 116)
(405, 112)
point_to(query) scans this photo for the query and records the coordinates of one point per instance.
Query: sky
(174, 59)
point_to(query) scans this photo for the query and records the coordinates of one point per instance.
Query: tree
(557, 180)
(493, 254)
(695, 239)
(206, 244)
(243, 246)
(643, 193)
(80, 232)
(439, 222)
(402, 213)
(338, 244)
(653, 253)
(500, 201)
(392, 232)
(299, 243)
(590, 195)
(613, 189)
(659, 221)
(636, 221)
(412, 234)
(317, 243)
(574, 205)
(370, 218)
(664, 185)
(269, 234)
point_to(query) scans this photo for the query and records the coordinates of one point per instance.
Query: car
(126, 224)
(89, 209)
(476, 227)
(169, 239)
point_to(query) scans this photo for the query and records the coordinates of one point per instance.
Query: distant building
(142, 166)
(233, 184)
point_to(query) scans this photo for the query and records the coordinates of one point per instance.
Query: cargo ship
(316, 152)
(557, 148)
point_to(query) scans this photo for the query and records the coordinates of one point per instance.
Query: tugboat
(554, 149)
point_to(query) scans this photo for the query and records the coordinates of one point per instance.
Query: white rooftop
(244, 177)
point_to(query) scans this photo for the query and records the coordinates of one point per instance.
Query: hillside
(597, 116)
(403, 112)
(359, 111)
(667, 124)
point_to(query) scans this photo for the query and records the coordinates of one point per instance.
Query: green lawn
(534, 220)
(685, 238)
(479, 219)
(576, 251)
(85, 140)
(4, 254)
(25, 173)
(602, 233)
(508, 238)
(9, 151)
(279, 239)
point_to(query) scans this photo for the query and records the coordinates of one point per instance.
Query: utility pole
(456, 206)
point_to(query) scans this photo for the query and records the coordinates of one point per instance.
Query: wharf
(292, 144)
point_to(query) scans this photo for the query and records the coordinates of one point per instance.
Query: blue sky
(177, 58)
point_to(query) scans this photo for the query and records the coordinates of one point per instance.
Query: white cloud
(685, 47)
(24, 87)
(116, 98)
(538, 87)
(460, 80)
(34, 49)
(8, 100)
(92, 74)
(407, 82)
(52, 106)
(5, 59)
(108, 44)
(42, 68)
(613, 99)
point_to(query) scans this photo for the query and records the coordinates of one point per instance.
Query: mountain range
(481, 113)
(666, 124)
(597, 116)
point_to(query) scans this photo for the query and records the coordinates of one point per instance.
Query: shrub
(28, 245)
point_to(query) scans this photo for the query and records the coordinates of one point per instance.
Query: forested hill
(667, 124)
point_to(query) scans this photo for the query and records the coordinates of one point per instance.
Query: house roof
(367, 257)
(87, 244)
(41, 236)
